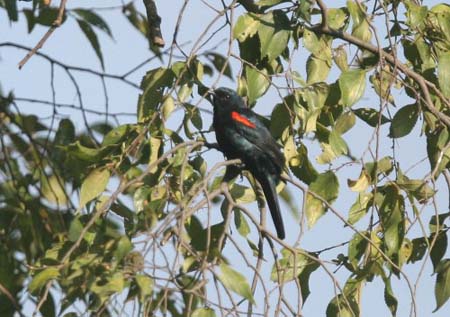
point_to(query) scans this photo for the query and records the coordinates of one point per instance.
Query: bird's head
(226, 98)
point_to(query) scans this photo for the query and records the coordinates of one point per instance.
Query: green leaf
(48, 15)
(235, 282)
(199, 237)
(153, 85)
(141, 198)
(241, 223)
(116, 135)
(53, 189)
(75, 229)
(145, 285)
(335, 147)
(246, 26)
(220, 62)
(94, 19)
(136, 18)
(339, 307)
(92, 38)
(436, 142)
(359, 207)
(419, 247)
(337, 143)
(415, 15)
(370, 116)
(357, 248)
(11, 8)
(417, 187)
(392, 216)
(404, 121)
(242, 194)
(269, 3)
(203, 312)
(65, 133)
(374, 169)
(115, 284)
(124, 246)
(273, 32)
(437, 222)
(444, 74)
(337, 18)
(94, 184)
(389, 297)
(257, 83)
(302, 167)
(304, 278)
(319, 46)
(442, 288)
(280, 120)
(439, 248)
(48, 307)
(291, 267)
(345, 122)
(352, 84)
(87, 154)
(361, 27)
(317, 69)
(340, 58)
(31, 20)
(326, 185)
(40, 279)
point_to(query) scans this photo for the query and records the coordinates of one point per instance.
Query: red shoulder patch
(238, 118)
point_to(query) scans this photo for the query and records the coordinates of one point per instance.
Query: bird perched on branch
(241, 135)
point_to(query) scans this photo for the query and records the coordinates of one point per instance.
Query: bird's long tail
(269, 188)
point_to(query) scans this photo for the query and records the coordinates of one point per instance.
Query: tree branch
(323, 28)
(154, 23)
(50, 31)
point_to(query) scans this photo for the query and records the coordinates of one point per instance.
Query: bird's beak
(211, 95)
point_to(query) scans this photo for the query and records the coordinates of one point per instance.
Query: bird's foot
(211, 145)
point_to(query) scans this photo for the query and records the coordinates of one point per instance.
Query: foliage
(115, 213)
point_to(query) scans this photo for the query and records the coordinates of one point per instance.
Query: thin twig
(50, 31)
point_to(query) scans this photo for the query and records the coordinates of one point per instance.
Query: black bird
(240, 134)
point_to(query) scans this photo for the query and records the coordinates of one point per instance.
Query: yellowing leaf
(235, 282)
(273, 32)
(352, 84)
(40, 279)
(203, 312)
(317, 69)
(444, 73)
(53, 189)
(246, 26)
(94, 184)
(361, 183)
(359, 207)
(167, 107)
(145, 285)
(242, 194)
(257, 83)
(326, 186)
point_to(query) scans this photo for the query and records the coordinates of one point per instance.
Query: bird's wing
(251, 128)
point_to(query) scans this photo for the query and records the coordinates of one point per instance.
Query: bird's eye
(227, 96)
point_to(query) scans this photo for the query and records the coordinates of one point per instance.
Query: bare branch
(154, 23)
(50, 31)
